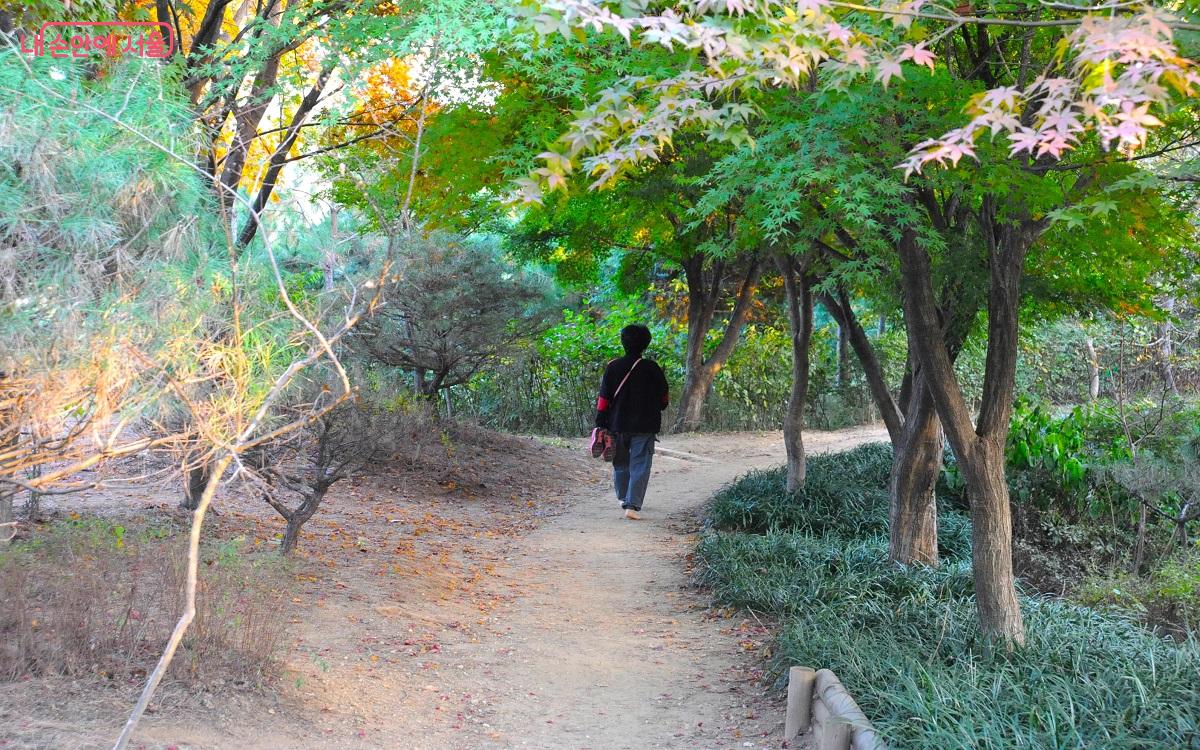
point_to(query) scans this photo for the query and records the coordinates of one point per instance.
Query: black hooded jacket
(638, 407)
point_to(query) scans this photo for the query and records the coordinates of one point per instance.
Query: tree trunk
(203, 38)
(431, 389)
(979, 448)
(1093, 364)
(702, 301)
(917, 460)
(8, 526)
(279, 157)
(840, 310)
(300, 516)
(915, 432)
(991, 543)
(696, 385)
(329, 261)
(1181, 534)
(843, 356)
(9, 435)
(916, 447)
(916, 465)
(1139, 547)
(195, 479)
(247, 117)
(33, 504)
(1166, 349)
(291, 534)
(701, 307)
(799, 304)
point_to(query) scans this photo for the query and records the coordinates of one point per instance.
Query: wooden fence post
(818, 703)
(799, 701)
(845, 714)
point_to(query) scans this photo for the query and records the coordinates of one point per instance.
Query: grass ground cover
(906, 642)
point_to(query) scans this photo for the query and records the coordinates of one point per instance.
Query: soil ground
(499, 602)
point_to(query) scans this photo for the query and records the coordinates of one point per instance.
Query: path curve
(611, 648)
(557, 626)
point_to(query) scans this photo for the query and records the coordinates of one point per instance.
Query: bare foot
(632, 515)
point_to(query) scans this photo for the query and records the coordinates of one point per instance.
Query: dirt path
(611, 649)
(468, 608)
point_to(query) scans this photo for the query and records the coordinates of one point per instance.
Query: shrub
(1168, 598)
(751, 391)
(1077, 463)
(552, 389)
(95, 597)
(455, 305)
(1054, 461)
(299, 468)
(1038, 440)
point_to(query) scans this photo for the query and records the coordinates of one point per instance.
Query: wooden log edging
(818, 700)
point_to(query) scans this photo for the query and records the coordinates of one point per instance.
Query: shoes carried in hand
(603, 445)
(610, 447)
(597, 446)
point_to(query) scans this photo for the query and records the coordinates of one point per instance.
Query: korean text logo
(113, 38)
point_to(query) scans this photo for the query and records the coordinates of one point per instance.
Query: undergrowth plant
(906, 642)
(1169, 597)
(98, 597)
(843, 490)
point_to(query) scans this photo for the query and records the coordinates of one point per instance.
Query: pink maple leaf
(1062, 121)
(738, 7)
(996, 121)
(836, 32)
(1023, 139)
(1005, 96)
(1055, 144)
(888, 69)
(856, 55)
(918, 54)
(957, 150)
(1140, 115)
(1154, 23)
(810, 6)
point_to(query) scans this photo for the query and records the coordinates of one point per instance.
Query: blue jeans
(631, 468)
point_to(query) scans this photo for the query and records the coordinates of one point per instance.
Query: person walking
(633, 395)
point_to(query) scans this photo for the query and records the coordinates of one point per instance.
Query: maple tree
(818, 181)
(1117, 66)
(1111, 73)
(649, 220)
